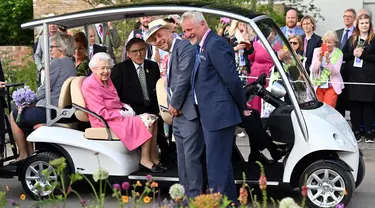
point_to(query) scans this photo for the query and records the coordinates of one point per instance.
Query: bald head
(291, 18)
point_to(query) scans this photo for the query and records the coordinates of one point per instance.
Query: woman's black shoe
(357, 135)
(369, 137)
(258, 156)
(162, 166)
(154, 168)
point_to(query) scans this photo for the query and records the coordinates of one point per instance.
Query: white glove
(128, 107)
(128, 113)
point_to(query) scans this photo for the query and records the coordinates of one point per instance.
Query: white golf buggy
(324, 154)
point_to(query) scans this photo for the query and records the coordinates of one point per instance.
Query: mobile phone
(324, 48)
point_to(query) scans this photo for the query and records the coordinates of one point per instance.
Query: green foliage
(13, 13)
(20, 74)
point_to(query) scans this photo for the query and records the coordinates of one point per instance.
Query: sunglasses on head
(293, 43)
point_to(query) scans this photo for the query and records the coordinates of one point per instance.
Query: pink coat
(105, 102)
(335, 77)
(261, 63)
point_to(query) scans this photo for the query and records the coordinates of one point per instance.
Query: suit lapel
(171, 61)
(202, 51)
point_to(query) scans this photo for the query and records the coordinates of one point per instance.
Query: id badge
(358, 62)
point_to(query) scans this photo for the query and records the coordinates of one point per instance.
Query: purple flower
(23, 96)
(125, 185)
(116, 186)
(225, 20)
(149, 177)
(340, 206)
(83, 203)
(12, 202)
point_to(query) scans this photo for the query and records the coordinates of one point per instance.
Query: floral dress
(148, 119)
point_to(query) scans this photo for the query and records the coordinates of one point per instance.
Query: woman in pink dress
(261, 63)
(134, 131)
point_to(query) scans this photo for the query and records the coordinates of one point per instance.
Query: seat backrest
(65, 99)
(161, 94)
(77, 98)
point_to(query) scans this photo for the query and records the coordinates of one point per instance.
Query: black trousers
(258, 137)
(362, 112)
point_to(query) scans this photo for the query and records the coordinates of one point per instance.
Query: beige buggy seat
(82, 113)
(161, 94)
(65, 101)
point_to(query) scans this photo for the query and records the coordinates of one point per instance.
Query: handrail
(96, 116)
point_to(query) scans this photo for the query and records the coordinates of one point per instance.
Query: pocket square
(201, 58)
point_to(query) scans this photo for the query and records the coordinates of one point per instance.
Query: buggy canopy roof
(113, 13)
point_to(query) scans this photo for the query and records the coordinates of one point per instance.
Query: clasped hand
(129, 112)
(358, 52)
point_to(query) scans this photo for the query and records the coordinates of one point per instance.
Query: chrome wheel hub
(325, 188)
(37, 182)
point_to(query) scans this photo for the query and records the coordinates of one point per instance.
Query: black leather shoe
(280, 151)
(154, 168)
(357, 135)
(162, 166)
(259, 157)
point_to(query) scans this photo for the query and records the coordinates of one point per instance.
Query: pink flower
(149, 177)
(262, 182)
(225, 20)
(116, 186)
(125, 186)
(304, 191)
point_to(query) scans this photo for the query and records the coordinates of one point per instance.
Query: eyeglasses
(293, 43)
(347, 16)
(52, 46)
(140, 51)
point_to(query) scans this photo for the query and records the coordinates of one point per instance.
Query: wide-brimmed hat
(155, 26)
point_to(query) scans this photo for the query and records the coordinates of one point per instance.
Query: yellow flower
(23, 197)
(139, 183)
(146, 199)
(125, 199)
(7, 188)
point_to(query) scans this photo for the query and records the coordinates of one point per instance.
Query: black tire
(40, 160)
(361, 172)
(345, 182)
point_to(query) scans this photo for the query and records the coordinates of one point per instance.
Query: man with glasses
(343, 35)
(135, 79)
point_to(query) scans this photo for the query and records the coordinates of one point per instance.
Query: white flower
(288, 203)
(177, 191)
(100, 174)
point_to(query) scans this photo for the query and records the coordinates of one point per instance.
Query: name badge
(358, 62)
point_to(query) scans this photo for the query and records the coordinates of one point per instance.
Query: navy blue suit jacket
(219, 91)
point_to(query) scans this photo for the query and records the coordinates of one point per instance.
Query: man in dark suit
(135, 79)
(219, 98)
(186, 125)
(343, 35)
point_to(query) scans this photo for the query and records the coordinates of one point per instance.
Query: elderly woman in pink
(325, 67)
(134, 131)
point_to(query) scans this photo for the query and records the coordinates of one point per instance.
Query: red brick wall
(44, 7)
(19, 54)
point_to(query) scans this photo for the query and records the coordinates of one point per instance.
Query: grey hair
(196, 16)
(101, 56)
(330, 34)
(65, 43)
(368, 12)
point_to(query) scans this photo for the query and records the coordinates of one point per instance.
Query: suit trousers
(219, 146)
(189, 144)
(258, 137)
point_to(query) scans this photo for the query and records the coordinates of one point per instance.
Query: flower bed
(137, 194)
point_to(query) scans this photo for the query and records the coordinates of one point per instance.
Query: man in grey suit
(186, 125)
(38, 56)
(107, 35)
